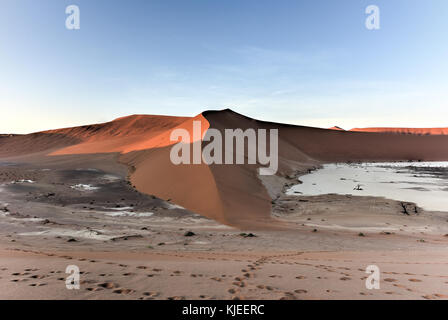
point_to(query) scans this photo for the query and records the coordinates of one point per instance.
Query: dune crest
(127, 134)
(336, 128)
(416, 131)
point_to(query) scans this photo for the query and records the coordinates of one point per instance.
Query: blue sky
(309, 62)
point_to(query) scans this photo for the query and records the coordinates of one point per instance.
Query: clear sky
(310, 62)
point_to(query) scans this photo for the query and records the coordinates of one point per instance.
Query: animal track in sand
(390, 280)
(345, 278)
(415, 280)
(300, 277)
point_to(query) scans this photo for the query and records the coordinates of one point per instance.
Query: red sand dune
(419, 131)
(231, 194)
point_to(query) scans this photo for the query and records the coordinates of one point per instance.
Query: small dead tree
(405, 209)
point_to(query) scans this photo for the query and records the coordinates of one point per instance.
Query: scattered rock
(247, 235)
(189, 234)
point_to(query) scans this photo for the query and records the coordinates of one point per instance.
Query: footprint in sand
(240, 284)
(176, 298)
(300, 277)
(108, 285)
(345, 278)
(151, 294)
(390, 280)
(415, 280)
(19, 280)
(88, 281)
(94, 289)
(300, 291)
(123, 291)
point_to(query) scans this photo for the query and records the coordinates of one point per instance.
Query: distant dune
(337, 128)
(232, 194)
(419, 131)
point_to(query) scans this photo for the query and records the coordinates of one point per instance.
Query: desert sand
(105, 197)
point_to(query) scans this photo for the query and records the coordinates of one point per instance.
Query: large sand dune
(231, 194)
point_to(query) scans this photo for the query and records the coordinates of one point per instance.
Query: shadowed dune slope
(246, 199)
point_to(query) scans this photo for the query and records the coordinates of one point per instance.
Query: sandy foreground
(128, 245)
